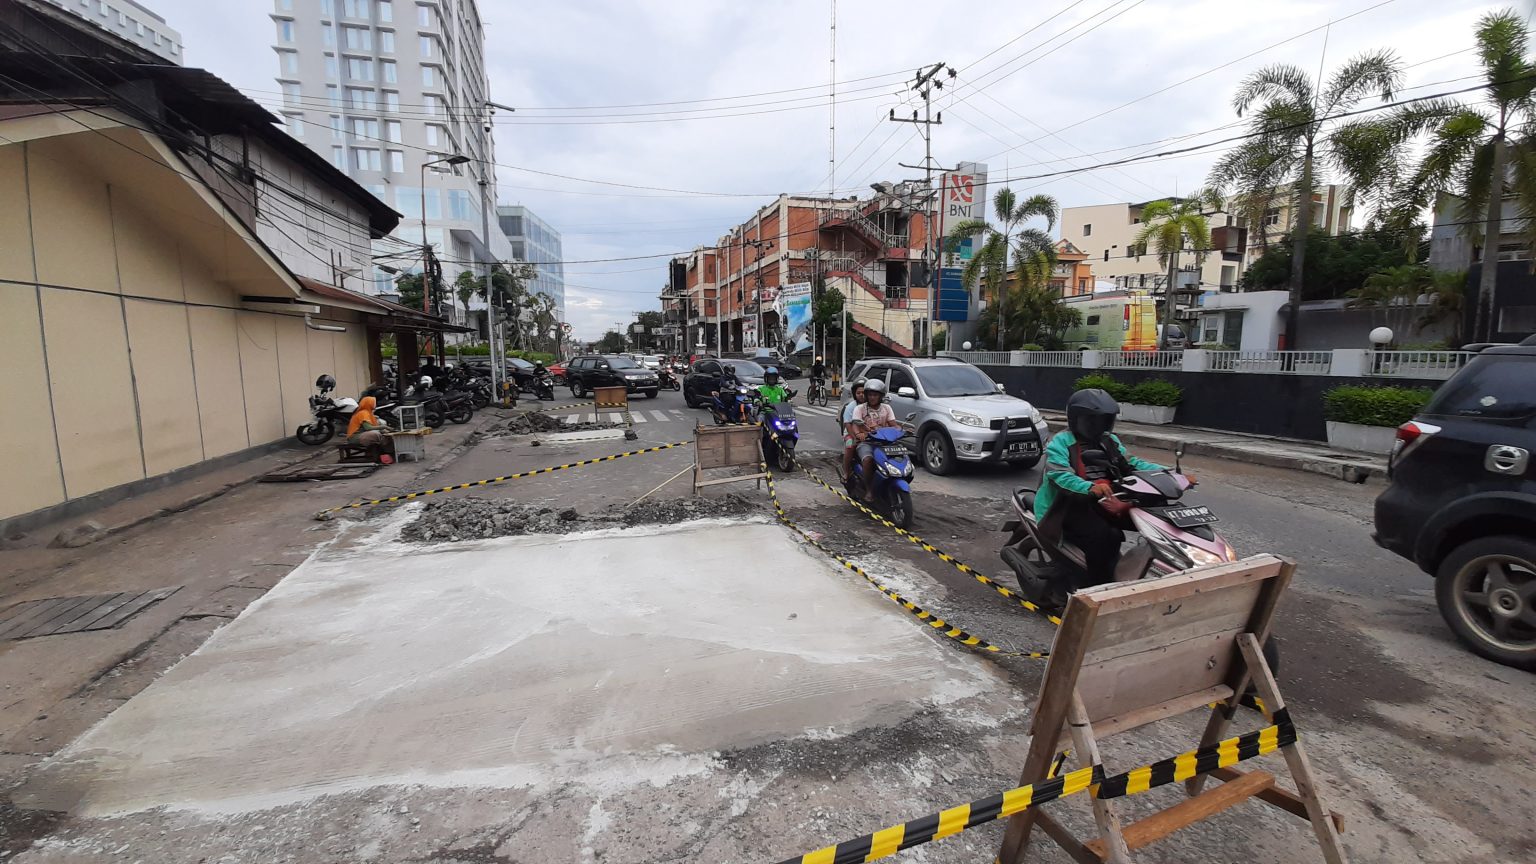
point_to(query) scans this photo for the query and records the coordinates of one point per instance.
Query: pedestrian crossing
(675, 415)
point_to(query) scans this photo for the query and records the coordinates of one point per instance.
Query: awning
(393, 315)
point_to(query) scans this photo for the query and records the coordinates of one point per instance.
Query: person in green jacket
(771, 390)
(1091, 517)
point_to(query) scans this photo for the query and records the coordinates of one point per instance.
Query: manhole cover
(75, 614)
(341, 471)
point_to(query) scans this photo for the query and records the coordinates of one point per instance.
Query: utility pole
(757, 273)
(924, 84)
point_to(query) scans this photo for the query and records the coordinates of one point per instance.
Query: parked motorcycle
(781, 433)
(668, 378)
(893, 475)
(327, 414)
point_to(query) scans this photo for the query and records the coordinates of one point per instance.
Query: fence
(1343, 362)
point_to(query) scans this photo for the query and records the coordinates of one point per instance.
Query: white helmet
(426, 382)
(448, 367)
(874, 386)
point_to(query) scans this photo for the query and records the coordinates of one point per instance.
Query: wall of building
(126, 356)
(129, 21)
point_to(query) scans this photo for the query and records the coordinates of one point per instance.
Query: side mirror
(604, 366)
(907, 392)
(1001, 389)
(912, 416)
(1178, 457)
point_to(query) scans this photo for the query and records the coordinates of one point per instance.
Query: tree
(467, 286)
(611, 343)
(409, 286)
(825, 312)
(652, 321)
(1037, 317)
(1335, 265)
(989, 264)
(1483, 152)
(1395, 291)
(1168, 228)
(1294, 138)
(542, 311)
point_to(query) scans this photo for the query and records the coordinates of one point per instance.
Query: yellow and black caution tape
(922, 614)
(489, 480)
(540, 406)
(946, 823)
(936, 551)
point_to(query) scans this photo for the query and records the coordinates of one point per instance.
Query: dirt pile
(535, 423)
(456, 519)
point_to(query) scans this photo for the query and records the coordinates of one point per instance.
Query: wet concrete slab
(607, 661)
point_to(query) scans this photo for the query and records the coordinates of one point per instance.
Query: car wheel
(577, 390)
(938, 453)
(651, 394)
(1486, 590)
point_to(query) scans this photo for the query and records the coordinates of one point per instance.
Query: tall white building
(536, 241)
(128, 20)
(388, 90)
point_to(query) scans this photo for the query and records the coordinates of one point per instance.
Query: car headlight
(1035, 418)
(967, 418)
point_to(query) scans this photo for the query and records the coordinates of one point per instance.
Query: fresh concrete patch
(613, 662)
(582, 437)
(455, 519)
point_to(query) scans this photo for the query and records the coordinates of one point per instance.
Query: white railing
(1279, 362)
(1068, 359)
(982, 358)
(1415, 364)
(1141, 359)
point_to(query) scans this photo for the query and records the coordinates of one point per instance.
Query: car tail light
(1409, 436)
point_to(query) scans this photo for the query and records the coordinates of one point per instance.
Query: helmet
(771, 370)
(858, 383)
(875, 386)
(1091, 415)
(426, 382)
(448, 367)
(326, 382)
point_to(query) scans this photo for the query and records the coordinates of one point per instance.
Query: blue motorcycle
(781, 432)
(893, 475)
(733, 404)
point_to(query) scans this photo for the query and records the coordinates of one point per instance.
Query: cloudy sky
(1042, 87)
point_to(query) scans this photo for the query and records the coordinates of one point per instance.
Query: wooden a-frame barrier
(1130, 654)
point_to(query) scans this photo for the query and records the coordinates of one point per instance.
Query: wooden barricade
(1133, 653)
(726, 447)
(610, 397)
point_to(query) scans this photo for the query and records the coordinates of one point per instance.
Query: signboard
(962, 197)
(954, 300)
(794, 308)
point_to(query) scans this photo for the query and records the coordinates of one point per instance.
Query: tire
(1502, 627)
(316, 433)
(479, 399)
(786, 458)
(578, 390)
(462, 414)
(688, 400)
(652, 394)
(821, 396)
(938, 453)
(433, 419)
(901, 508)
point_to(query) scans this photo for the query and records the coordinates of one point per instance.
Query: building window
(387, 41)
(355, 8)
(397, 161)
(387, 72)
(1087, 230)
(328, 34)
(295, 124)
(425, 16)
(359, 97)
(285, 5)
(332, 70)
(339, 158)
(364, 128)
(386, 11)
(336, 128)
(357, 38)
(459, 205)
(433, 104)
(424, 45)
(291, 93)
(366, 159)
(434, 204)
(392, 131)
(428, 76)
(285, 31)
(359, 69)
(1272, 216)
(290, 62)
(333, 95)
(434, 134)
(327, 7)
(408, 201)
(391, 100)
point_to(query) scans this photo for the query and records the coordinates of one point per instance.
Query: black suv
(704, 376)
(591, 371)
(1462, 502)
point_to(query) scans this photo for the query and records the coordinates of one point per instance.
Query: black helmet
(1091, 415)
(325, 382)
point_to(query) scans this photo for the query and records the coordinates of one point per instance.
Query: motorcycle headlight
(1186, 554)
(967, 418)
(893, 470)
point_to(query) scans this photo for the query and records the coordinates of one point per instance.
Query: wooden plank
(1118, 596)
(1125, 684)
(1161, 711)
(64, 606)
(1065, 839)
(1188, 812)
(1278, 797)
(1295, 756)
(24, 615)
(1104, 814)
(1130, 631)
(105, 610)
(132, 608)
(83, 612)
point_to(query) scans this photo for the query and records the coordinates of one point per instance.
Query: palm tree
(989, 264)
(1293, 139)
(1395, 291)
(1472, 147)
(1168, 228)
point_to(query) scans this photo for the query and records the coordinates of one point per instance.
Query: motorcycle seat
(1026, 498)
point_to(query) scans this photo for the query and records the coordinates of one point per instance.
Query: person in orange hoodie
(365, 429)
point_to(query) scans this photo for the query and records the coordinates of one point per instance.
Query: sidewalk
(1311, 456)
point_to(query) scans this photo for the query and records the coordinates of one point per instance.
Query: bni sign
(962, 197)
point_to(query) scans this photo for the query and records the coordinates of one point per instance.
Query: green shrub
(1030, 346)
(1155, 391)
(1117, 390)
(1374, 406)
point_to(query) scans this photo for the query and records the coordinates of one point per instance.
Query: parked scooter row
(455, 401)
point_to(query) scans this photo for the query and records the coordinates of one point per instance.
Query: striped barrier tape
(540, 406)
(922, 614)
(937, 552)
(946, 823)
(488, 481)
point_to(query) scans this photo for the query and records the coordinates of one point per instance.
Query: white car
(650, 361)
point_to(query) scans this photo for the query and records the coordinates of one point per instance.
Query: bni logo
(962, 189)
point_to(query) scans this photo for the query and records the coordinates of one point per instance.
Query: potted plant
(1152, 401)
(1366, 418)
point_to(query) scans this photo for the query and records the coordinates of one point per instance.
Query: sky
(1041, 87)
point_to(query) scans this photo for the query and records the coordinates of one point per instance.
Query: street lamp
(446, 160)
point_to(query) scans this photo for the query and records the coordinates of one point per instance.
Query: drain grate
(76, 614)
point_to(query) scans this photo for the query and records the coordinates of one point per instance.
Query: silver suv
(959, 412)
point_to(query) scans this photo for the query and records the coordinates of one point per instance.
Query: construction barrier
(937, 552)
(920, 613)
(949, 822)
(490, 480)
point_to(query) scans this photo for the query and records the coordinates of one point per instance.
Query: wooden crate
(726, 447)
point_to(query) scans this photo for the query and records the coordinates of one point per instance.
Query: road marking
(660, 416)
(591, 418)
(573, 418)
(637, 416)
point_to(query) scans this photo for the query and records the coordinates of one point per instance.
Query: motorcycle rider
(845, 421)
(1088, 512)
(873, 414)
(771, 390)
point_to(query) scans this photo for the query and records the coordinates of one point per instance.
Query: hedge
(1374, 406)
(1153, 391)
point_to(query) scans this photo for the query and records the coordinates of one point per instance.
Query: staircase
(863, 226)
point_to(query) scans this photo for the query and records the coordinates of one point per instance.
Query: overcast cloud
(546, 55)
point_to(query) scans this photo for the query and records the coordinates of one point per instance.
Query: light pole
(446, 160)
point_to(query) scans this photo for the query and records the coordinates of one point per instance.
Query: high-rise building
(128, 20)
(534, 241)
(390, 91)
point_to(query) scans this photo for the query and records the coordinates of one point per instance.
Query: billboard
(962, 196)
(794, 307)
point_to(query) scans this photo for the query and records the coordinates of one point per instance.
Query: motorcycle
(734, 403)
(893, 475)
(668, 379)
(781, 432)
(458, 404)
(327, 414)
(543, 385)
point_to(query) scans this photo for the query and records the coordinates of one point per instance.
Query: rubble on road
(535, 422)
(457, 519)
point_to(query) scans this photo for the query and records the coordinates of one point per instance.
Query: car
(959, 413)
(1461, 502)
(651, 361)
(704, 375)
(591, 371)
(557, 370)
(772, 357)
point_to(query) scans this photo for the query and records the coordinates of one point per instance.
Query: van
(1114, 321)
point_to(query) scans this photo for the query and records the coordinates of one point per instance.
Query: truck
(1114, 321)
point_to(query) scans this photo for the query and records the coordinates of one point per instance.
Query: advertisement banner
(794, 308)
(962, 196)
(748, 333)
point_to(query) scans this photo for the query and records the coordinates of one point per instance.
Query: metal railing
(1141, 359)
(1066, 359)
(983, 358)
(1415, 364)
(1284, 362)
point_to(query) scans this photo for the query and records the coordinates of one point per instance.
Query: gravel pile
(534, 423)
(455, 519)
